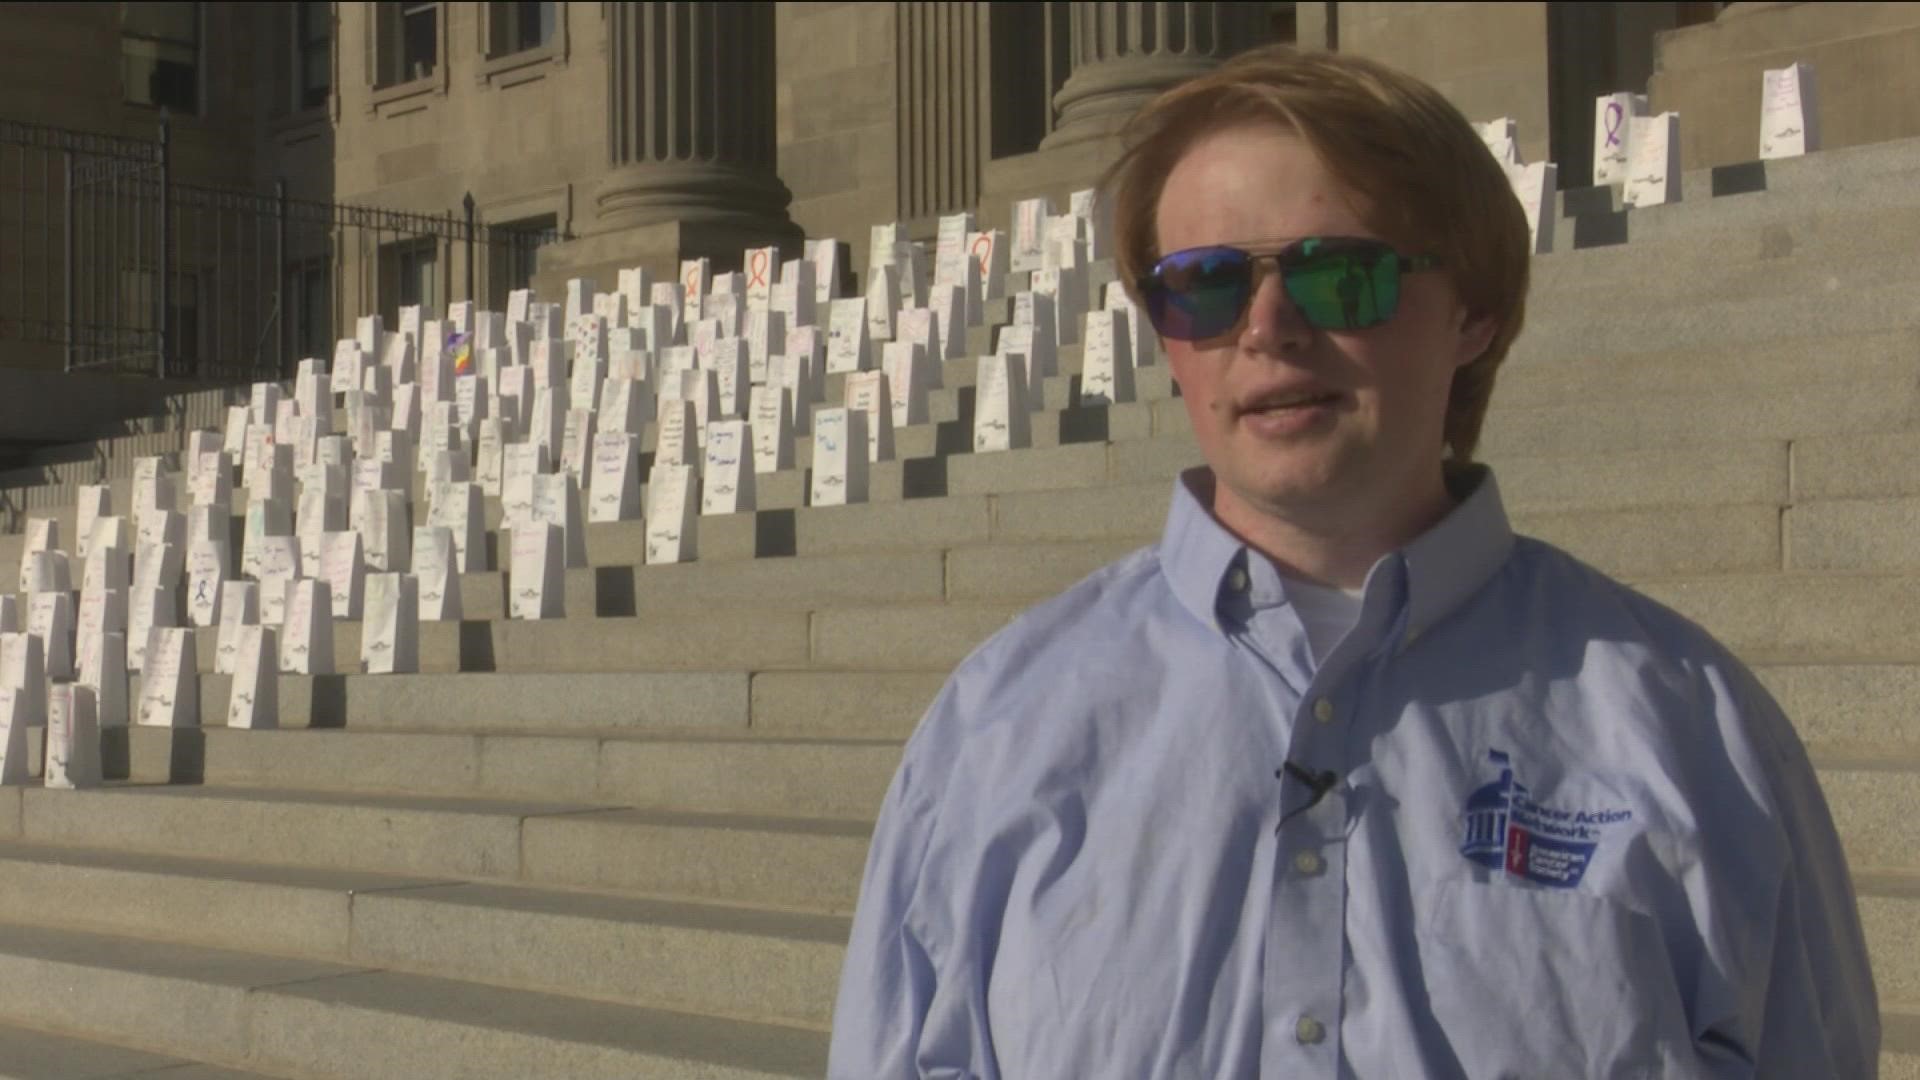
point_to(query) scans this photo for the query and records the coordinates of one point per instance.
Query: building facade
(623, 134)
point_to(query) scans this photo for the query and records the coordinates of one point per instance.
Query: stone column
(690, 129)
(1124, 54)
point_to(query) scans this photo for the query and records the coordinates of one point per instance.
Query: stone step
(1846, 408)
(1670, 541)
(1814, 172)
(30, 1054)
(871, 704)
(1853, 534)
(875, 638)
(330, 1021)
(788, 863)
(972, 572)
(1814, 252)
(1890, 915)
(1656, 230)
(1803, 618)
(805, 582)
(1873, 799)
(717, 961)
(842, 779)
(608, 702)
(1863, 466)
(1785, 365)
(719, 640)
(836, 704)
(1719, 322)
(1850, 710)
(1899, 1039)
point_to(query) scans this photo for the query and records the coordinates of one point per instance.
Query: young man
(1342, 778)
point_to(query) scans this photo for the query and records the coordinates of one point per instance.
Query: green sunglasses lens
(1344, 290)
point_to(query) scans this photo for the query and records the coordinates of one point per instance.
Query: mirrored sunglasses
(1336, 282)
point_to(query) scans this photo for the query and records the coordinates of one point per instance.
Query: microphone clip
(1318, 783)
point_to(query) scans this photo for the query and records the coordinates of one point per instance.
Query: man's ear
(1476, 332)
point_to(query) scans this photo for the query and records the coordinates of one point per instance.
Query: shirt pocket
(1529, 982)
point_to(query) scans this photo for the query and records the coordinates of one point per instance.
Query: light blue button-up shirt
(1567, 835)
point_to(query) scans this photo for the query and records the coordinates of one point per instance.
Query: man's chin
(1293, 495)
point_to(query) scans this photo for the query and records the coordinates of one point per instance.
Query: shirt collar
(1449, 562)
(1444, 565)
(1197, 552)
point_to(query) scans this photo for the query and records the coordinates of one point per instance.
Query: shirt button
(1309, 1031)
(1323, 710)
(1309, 863)
(1237, 581)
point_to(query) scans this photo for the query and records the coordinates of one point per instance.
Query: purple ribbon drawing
(1615, 117)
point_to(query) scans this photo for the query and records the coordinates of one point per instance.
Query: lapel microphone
(1318, 783)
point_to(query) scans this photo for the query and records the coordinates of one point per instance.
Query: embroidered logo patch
(1506, 829)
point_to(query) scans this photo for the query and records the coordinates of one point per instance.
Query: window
(312, 55)
(1696, 14)
(410, 274)
(515, 250)
(409, 42)
(1284, 23)
(513, 28)
(1030, 60)
(309, 309)
(140, 308)
(160, 55)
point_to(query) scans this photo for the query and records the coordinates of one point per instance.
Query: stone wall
(60, 66)
(525, 134)
(837, 108)
(1866, 61)
(1489, 59)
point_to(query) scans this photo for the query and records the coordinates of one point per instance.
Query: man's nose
(1273, 321)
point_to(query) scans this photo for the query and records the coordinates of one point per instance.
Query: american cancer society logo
(1549, 845)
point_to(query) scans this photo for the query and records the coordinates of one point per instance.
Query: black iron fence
(108, 263)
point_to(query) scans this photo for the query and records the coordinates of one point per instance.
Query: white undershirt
(1325, 612)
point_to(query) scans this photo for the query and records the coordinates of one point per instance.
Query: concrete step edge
(37, 1053)
(277, 1021)
(524, 808)
(1900, 1027)
(676, 923)
(1891, 882)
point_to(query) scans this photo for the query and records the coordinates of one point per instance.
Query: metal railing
(107, 262)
